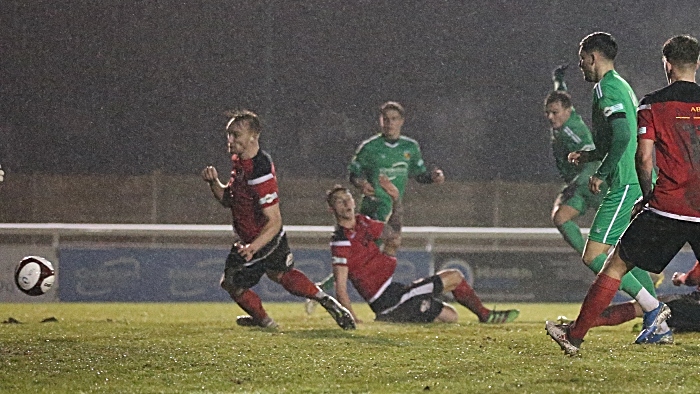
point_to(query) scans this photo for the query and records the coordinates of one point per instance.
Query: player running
(262, 248)
(356, 257)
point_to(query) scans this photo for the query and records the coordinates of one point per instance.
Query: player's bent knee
(275, 276)
(447, 315)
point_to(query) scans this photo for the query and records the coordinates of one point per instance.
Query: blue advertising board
(174, 274)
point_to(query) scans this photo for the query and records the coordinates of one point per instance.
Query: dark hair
(247, 116)
(558, 96)
(336, 188)
(604, 43)
(680, 50)
(389, 105)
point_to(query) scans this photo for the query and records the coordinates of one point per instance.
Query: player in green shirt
(614, 119)
(394, 155)
(391, 154)
(570, 134)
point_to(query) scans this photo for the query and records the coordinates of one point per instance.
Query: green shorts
(613, 214)
(579, 197)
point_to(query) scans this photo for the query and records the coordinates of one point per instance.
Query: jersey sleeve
(340, 248)
(358, 163)
(578, 138)
(417, 166)
(264, 182)
(610, 101)
(645, 122)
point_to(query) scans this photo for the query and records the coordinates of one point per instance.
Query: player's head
(557, 108)
(340, 202)
(243, 131)
(391, 119)
(680, 55)
(597, 52)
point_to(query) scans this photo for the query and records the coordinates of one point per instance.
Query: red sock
(250, 302)
(616, 314)
(598, 298)
(466, 296)
(295, 282)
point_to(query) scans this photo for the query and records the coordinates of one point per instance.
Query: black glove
(558, 73)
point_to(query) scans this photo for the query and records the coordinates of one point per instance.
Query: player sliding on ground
(356, 257)
(251, 194)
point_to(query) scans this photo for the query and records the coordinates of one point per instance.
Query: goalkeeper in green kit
(570, 134)
(388, 153)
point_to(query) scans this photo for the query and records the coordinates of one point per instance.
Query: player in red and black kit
(357, 257)
(669, 213)
(262, 248)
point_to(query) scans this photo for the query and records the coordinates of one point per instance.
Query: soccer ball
(34, 275)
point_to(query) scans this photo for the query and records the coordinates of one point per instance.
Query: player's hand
(389, 187)
(210, 175)
(437, 176)
(245, 250)
(366, 188)
(678, 278)
(637, 207)
(574, 158)
(594, 184)
(558, 73)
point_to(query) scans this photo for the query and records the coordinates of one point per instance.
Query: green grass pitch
(197, 348)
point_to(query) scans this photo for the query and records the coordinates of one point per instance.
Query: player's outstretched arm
(340, 272)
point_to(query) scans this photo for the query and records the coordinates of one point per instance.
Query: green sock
(597, 264)
(572, 235)
(629, 283)
(327, 283)
(644, 279)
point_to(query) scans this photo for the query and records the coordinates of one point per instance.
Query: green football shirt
(573, 136)
(399, 160)
(614, 95)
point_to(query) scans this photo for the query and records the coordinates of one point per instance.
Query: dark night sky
(94, 87)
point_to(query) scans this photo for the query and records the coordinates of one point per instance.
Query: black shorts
(652, 240)
(685, 311)
(275, 256)
(416, 303)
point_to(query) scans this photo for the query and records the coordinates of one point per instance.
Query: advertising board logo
(197, 280)
(108, 276)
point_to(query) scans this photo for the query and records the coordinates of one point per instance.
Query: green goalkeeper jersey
(613, 95)
(399, 160)
(573, 136)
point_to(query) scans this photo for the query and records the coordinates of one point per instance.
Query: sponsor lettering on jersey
(396, 171)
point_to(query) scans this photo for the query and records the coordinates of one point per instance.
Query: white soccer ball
(34, 275)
